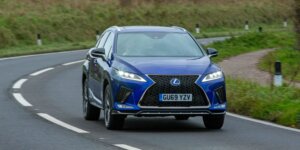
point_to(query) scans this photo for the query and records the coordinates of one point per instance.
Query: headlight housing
(213, 76)
(129, 76)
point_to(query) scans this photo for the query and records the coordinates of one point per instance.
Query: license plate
(175, 97)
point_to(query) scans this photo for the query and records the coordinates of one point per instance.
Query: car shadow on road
(164, 124)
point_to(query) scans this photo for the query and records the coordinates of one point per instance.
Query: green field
(73, 21)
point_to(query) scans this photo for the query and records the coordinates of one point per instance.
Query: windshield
(157, 44)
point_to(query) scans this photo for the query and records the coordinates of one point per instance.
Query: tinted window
(109, 43)
(157, 44)
(102, 41)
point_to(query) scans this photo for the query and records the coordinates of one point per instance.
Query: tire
(90, 112)
(182, 117)
(112, 122)
(213, 121)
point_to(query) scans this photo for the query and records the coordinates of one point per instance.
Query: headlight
(213, 76)
(129, 76)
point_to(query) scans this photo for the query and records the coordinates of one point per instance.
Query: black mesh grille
(123, 94)
(162, 85)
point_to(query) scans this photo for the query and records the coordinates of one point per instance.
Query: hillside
(77, 20)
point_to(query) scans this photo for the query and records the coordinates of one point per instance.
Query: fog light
(122, 106)
(222, 106)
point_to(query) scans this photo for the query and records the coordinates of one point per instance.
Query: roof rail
(180, 28)
(118, 28)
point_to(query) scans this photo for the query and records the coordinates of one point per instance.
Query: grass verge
(290, 60)
(279, 105)
(47, 48)
(283, 41)
(252, 41)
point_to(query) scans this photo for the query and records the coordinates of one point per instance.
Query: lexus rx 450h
(152, 71)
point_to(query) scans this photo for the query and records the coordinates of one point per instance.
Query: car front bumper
(169, 112)
(131, 106)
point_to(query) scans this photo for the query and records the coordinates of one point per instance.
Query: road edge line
(263, 122)
(33, 55)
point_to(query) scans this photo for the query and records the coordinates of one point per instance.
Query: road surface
(40, 108)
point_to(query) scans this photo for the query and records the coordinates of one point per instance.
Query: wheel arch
(106, 82)
(85, 68)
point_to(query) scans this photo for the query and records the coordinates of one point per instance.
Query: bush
(7, 38)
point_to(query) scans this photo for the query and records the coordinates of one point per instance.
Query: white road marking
(41, 71)
(124, 146)
(73, 62)
(60, 123)
(16, 57)
(19, 84)
(21, 100)
(262, 122)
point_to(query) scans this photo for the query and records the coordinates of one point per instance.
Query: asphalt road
(57, 93)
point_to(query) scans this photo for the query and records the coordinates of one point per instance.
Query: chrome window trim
(118, 28)
(180, 28)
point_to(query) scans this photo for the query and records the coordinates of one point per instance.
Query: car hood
(164, 65)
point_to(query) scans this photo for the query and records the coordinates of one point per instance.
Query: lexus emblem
(175, 82)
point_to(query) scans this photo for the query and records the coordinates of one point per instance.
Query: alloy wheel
(107, 109)
(85, 97)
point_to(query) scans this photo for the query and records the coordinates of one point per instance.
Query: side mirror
(212, 52)
(97, 52)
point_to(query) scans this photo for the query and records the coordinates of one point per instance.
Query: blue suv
(152, 71)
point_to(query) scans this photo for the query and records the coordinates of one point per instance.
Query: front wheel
(213, 121)
(112, 122)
